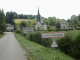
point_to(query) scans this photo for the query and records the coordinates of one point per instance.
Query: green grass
(38, 52)
(1, 35)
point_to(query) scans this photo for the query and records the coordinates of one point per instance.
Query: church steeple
(38, 12)
(38, 16)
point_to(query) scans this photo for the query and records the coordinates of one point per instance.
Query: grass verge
(38, 52)
(1, 35)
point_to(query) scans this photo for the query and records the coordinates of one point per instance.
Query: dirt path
(10, 49)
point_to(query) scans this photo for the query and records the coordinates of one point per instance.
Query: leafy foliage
(58, 25)
(70, 45)
(23, 24)
(36, 37)
(2, 22)
(18, 31)
(74, 20)
(39, 52)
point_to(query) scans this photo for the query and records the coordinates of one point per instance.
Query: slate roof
(24, 28)
(9, 25)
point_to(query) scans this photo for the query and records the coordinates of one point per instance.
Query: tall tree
(74, 20)
(10, 16)
(52, 21)
(58, 25)
(2, 22)
(79, 17)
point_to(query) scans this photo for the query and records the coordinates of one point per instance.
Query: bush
(64, 44)
(78, 28)
(70, 46)
(77, 47)
(61, 29)
(18, 31)
(36, 37)
(46, 42)
(70, 29)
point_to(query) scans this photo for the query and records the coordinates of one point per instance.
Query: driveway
(10, 49)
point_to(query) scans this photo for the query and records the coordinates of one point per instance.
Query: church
(40, 25)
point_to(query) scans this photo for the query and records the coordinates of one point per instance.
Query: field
(39, 52)
(18, 21)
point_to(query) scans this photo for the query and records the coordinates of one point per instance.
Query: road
(10, 49)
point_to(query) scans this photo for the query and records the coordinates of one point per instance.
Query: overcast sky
(62, 9)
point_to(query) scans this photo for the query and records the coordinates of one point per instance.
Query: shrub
(77, 47)
(64, 44)
(36, 37)
(70, 46)
(61, 29)
(78, 28)
(18, 31)
(46, 42)
(70, 29)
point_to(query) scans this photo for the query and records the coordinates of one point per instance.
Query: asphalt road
(10, 49)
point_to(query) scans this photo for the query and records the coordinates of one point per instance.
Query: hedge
(78, 28)
(70, 46)
(36, 37)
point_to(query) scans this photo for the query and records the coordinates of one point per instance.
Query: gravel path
(10, 49)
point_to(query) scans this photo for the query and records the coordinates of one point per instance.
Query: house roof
(24, 28)
(9, 25)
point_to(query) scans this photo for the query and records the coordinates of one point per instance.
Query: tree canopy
(2, 22)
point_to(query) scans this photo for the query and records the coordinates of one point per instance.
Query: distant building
(27, 30)
(64, 25)
(10, 27)
(40, 25)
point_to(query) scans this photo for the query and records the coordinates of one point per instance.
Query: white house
(40, 25)
(64, 25)
(10, 27)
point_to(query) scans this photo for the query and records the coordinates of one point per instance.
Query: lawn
(38, 52)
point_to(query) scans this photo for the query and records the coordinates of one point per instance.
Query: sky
(62, 9)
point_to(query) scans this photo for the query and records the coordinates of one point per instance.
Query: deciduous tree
(2, 22)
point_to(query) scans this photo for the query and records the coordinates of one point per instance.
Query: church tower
(38, 17)
(39, 25)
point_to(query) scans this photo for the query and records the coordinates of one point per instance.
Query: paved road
(10, 49)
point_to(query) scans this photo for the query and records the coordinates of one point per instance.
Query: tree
(29, 24)
(46, 22)
(74, 20)
(58, 25)
(79, 17)
(52, 21)
(2, 22)
(10, 16)
(23, 24)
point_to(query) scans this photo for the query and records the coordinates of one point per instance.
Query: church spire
(38, 16)
(38, 11)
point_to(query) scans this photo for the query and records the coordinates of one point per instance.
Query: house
(10, 27)
(64, 25)
(27, 30)
(40, 25)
